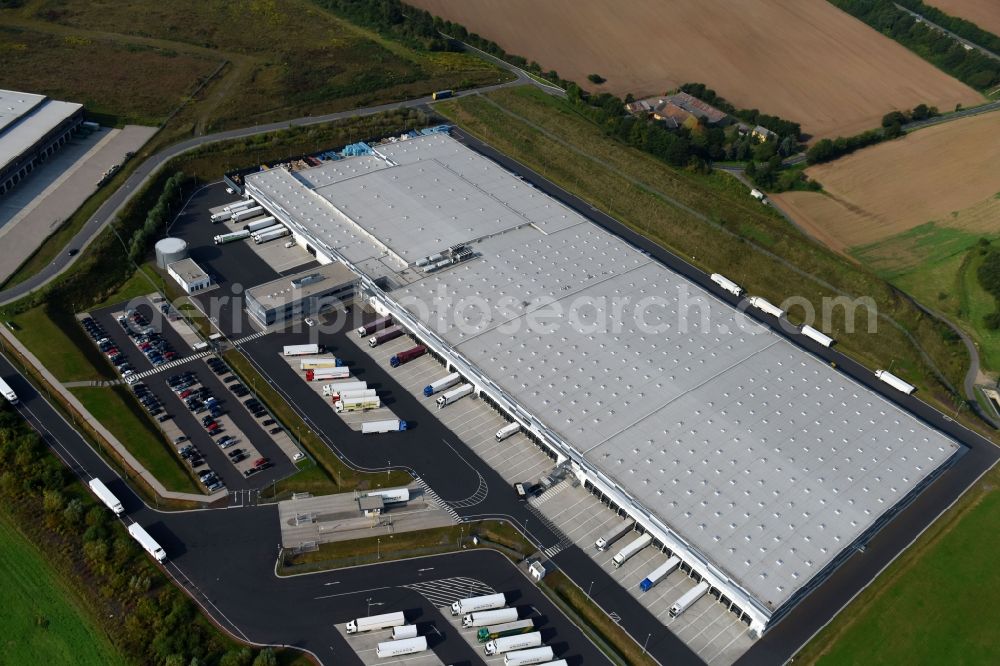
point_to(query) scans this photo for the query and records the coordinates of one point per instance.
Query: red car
(213, 427)
(185, 393)
(169, 355)
(145, 346)
(112, 352)
(260, 461)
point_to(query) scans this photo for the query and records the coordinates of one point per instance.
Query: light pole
(646, 643)
(378, 548)
(589, 590)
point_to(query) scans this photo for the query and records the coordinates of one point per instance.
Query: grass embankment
(722, 229)
(116, 409)
(54, 336)
(43, 620)
(934, 604)
(330, 474)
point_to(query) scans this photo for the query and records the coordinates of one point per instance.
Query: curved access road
(114, 203)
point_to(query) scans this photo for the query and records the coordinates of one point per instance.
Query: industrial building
(752, 460)
(189, 275)
(32, 127)
(301, 295)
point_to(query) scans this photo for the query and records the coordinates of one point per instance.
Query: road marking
(344, 594)
(336, 582)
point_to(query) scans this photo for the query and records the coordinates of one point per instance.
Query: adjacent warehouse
(753, 461)
(32, 128)
(189, 275)
(301, 295)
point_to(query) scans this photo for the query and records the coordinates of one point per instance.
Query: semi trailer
(615, 533)
(147, 542)
(404, 631)
(335, 389)
(301, 350)
(507, 629)
(371, 327)
(508, 430)
(357, 404)
(895, 382)
(360, 393)
(767, 306)
(445, 382)
(818, 336)
(401, 647)
(390, 425)
(270, 234)
(375, 622)
(623, 555)
(487, 617)
(262, 223)
(527, 657)
(385, 336)
(510, 643)
(246, 213)
(688, 599)
(7, 392)
(407, 356)
(322, 362)
(454, 395)
(323, 374)
(222, 239)
(659, 573)
(727, 284)
(106, 496)
(392, 495)
(481, 603)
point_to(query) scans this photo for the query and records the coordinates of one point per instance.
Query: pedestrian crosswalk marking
(170, 364)
(444, 591)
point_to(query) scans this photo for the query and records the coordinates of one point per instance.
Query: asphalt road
(225, 559)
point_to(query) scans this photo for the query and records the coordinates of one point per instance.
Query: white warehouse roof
(759, 455)
(25, 119)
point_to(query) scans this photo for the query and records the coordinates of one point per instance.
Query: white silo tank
(169, 250)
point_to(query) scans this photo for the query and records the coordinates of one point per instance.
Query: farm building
(763, 134)
(753, 461)
(678, 108)
(32, 127)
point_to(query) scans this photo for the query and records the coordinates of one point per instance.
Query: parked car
(267, 422)
(275, 431)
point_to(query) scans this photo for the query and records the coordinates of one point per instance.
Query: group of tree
(785, 129)
(970, 66)
(159, 216)
(900, 118)
(826, 150)
(148, 619)
(989, 279)
(395, 19)
(964, 29)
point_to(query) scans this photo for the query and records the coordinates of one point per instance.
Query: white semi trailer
(623, 555)
(659, 573)
(106, 496)
(336, 389)
(727, 284)
(688, 599)
(536, 655)
(269, 235)
(222, 239)
(246, 213)
(378, 427)
(454, 395)
(615, 533)
(509, 643)
(481, 603)
(445, 382)
(7, 392)
(262, 223)
(767, 306)
(374, 622)
(895, 382)
(357, 404)
(404, 631)
(508, 430)
(147, 542)
(391, 495)
(488, 617)
(818, 336)
(401, 647)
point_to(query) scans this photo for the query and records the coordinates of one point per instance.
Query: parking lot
(365, 644)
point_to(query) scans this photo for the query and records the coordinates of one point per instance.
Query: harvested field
(984, 13)
(805, 61)
(948, 174)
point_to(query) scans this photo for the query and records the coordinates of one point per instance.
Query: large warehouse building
(32, 127)
(748, 457)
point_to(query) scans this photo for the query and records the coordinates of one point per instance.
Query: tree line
(968, 66)
(159, 216)
(961, 27)
(989, 279)
(148, 619)
(826, 150)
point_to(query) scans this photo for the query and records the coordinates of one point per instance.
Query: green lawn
(42, 622)
(59, 342)
(121, 415)
(936, 604)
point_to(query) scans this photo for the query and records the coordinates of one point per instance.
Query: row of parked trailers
(813, 334)
(259, 230)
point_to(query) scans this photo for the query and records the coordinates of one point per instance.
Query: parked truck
(246, 213)
(404, 631)
(401, 647)
(895, 382)
(508, 430)
(301, 350)
(557, 662)
(688, 599)
(385, 336)
(357, 404)
(321, 362)
(222, 239)
(407, 356)
(389, 425)
(659, 573)
(485, 618)
(262, 223)
(767, 306)
(507, 629)
(615, 533)
(454, 395)
(7, 392)
(727, 284)
(325, 374)
(481, 603)
(147, 542)
(270, 234)
(106, 496)
(631, 549)
(445, 382)
(360, 393)
(510, 643)
(442, 94)
(335, 389)
(371, 327)
(818, 336)
(536, 655)
(392, 495)
(375, 622)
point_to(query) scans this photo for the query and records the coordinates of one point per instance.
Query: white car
(229, 190)
(310, 322)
